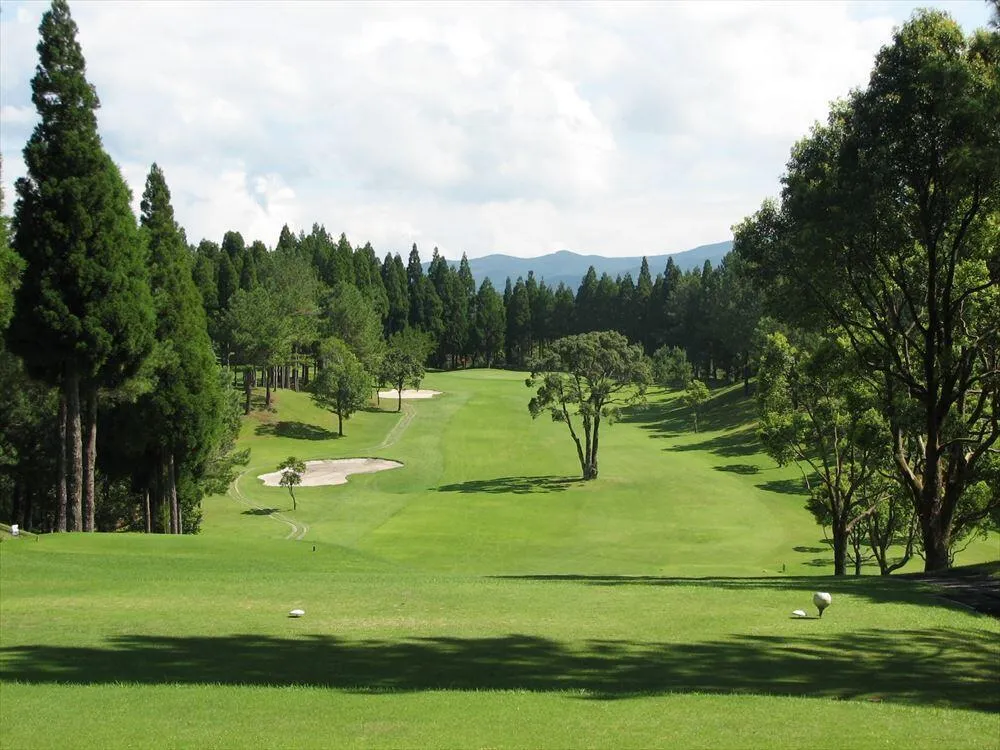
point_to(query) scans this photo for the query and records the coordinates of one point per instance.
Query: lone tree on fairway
(591, 376)
(694, 396)
(343, 385)
(83, 316)
(291, 470)
(403, 362)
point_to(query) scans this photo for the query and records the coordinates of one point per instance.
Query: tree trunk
(839, 549)
(340, 425)
(937, 543)
(267, 387)
(157, 495)
(247, 388)
(74, 439)
(89, 456)
(61, 467)
(149, 520)
(175, 508)
(305, 374)
(593, 447)
(295, 377)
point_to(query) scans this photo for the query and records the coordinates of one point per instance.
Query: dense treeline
(866, 298)
(344, 291)
(118, 414)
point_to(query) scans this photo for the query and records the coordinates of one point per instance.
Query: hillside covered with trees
(865, 300)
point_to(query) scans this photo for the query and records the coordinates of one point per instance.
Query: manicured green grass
(481, 596)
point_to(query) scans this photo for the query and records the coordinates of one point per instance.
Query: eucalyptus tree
(817, 413)
(588, 376)
(889, 227)
(83, 314)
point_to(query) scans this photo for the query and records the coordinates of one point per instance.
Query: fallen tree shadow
(513, 485)
(932, 666)
(295, 430)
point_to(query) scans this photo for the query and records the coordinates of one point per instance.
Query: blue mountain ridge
(570, 268)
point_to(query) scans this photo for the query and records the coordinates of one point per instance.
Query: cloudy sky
(614, 129)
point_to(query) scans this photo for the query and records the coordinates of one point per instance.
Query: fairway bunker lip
(409, 393)
(332, 471)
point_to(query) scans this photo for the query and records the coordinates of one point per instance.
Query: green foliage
(888, 229)
(671, 368)
(351, 317)
(291, 470)
(84, 304)
(695, 394)
(403, 362)
(343, 385)
(488, 333)
(10, 267)
(818, 411)
(590, 376)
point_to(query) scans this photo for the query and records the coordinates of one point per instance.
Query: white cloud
(619, 128)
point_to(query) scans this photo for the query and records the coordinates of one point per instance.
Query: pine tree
(83, 314)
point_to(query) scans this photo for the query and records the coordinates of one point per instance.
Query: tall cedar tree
(181, 415)
(83, 316)
(10, 267)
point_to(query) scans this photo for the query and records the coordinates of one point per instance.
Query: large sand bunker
(333, 471)
(408, 394)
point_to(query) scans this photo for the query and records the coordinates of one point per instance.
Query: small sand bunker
(333, 471)
(408, 394)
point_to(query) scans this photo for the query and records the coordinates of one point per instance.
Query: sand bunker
(408, 394)
(333, 471)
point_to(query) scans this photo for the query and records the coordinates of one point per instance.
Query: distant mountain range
(570, 268)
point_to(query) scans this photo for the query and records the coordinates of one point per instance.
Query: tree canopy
(589, 376)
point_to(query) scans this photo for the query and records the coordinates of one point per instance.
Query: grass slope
(482, 597)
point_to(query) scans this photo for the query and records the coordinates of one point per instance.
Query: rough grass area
(482, 596)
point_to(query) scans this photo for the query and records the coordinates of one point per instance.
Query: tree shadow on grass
(726, 409)
(513, 485)
(260, 511)
(877, 589)
(738, 468)
(731, 445)
(295, 430)
(794, 486)
(930, 666)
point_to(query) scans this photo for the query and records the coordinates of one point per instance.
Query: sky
(617, 129)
